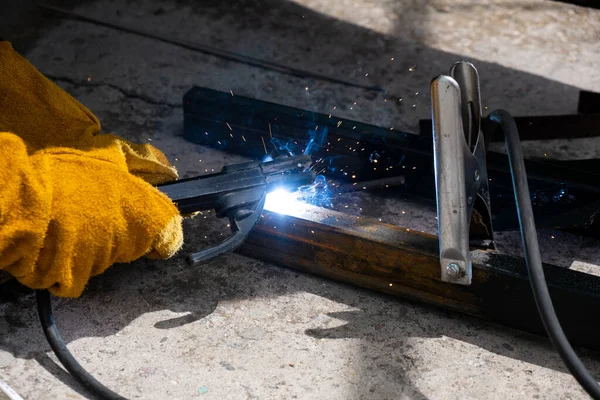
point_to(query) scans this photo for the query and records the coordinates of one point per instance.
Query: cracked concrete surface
(127, 93)
(237, 328)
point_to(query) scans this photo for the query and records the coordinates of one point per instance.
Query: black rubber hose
(533, 257)
(64, 355)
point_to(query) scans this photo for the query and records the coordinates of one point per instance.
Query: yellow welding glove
(73, 201)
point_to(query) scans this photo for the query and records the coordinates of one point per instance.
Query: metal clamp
(459, 148)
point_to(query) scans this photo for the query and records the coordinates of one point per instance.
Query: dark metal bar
(589, 103)
(404, 263)
(567, 194)
(546, 127)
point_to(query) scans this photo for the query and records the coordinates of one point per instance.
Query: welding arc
(533, 257)
(64, 355)
(225, 54)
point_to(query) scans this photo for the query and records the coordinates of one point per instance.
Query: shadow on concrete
(123, 293)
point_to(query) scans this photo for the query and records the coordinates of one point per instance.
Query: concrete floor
(237, 328)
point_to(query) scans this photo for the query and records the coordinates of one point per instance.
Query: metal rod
(228, 55)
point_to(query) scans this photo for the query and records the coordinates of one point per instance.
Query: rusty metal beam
(404, 263)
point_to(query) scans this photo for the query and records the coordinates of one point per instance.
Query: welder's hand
(73, 201)
(67, 215)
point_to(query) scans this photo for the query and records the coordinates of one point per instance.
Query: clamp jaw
(459, 148)
(238, 193)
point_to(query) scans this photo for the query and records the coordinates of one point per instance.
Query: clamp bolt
(453, 270)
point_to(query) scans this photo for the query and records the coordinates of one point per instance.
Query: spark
(218, 141)
(412, 68)
(334, 107)
(312, 231)
(230, 135)
(545, 155)
(177, 159)
(199, 160)
(417, 93)
(353, 176)
(231, 91)
(552, 237)
(229, 126)
(270, 133)
(206, 133)
(243, 138)
(89, 78)
(403, 212)
(339, 139)
(307, 88)
(329, 115)
(264, 145)
(339, 123)
(390, 284)
(149, 139)
(367, 74)
(392, 59)
(391, 129)
(354, 127)
(414, 106)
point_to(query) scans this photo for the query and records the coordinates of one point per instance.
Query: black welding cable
(533, 257)
(64, 355)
